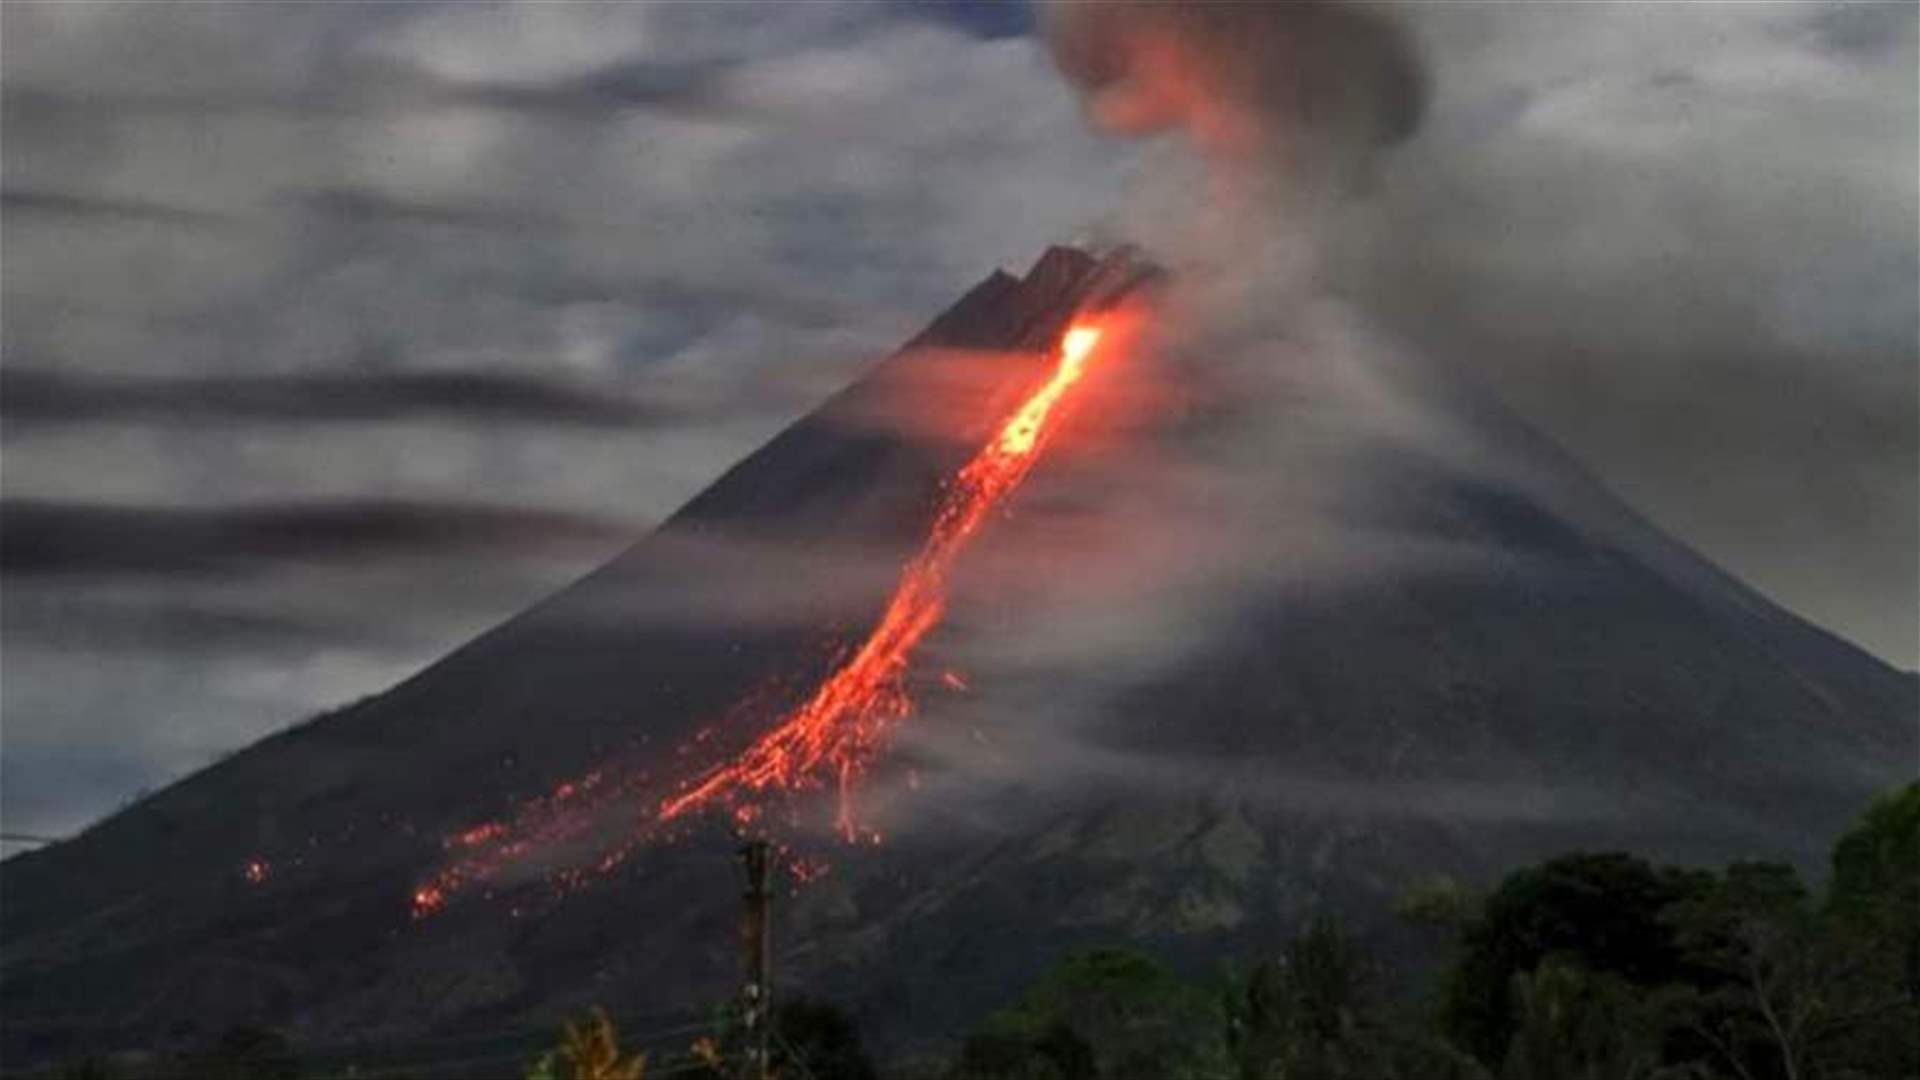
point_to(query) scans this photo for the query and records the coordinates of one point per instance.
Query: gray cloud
(63, 538)
(56, 619)
(692, 89)
(359, 204)
(117, 211)
(1681, 241)
(29, 395)
(567, 261)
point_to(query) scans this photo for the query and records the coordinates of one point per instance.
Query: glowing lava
(834, 733)
(842, 725)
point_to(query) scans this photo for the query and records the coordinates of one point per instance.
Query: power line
(422, 1053)
(793, 1056)
(531, 1030)
(516, 1056)
(535, 1038)
(436, 1065)
(691, 1066)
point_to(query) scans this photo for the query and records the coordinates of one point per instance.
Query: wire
(683, 1029)
(335, 1059)
(423, 1054)
(464, 1063)
(793, 1055)
(683, 1067)
(435, 1066)
(363, 1049)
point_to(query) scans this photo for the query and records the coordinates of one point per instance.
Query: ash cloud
(120, 211)
(1307, 87)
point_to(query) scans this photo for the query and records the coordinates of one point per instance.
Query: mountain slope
(1582, 680)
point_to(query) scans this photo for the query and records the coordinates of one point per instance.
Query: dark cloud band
(31, 394)
(70, 206)
(47, 537)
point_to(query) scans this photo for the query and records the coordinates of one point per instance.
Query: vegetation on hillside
(1589, 966)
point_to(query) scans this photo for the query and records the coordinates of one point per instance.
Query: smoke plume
(1313, 87)
(1263, 404)
(1286, 110)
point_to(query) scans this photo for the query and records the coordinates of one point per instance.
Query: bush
(820, 1040)
(1113, 1013)
(589, 1050)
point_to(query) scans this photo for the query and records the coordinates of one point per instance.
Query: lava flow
(836, 731)
(842, 725)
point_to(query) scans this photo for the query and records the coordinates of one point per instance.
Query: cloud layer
(568, 262)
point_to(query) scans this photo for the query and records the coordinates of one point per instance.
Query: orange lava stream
(841, 726)
(835, 732)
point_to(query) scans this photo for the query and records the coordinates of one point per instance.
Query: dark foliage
(1055, 1052)
(1601, 911)
(1310, 1014)
(1584, 967)
(91, 1068)
(1110, 1013)
(245, 1053)
(1876, 881)
(817, 1039)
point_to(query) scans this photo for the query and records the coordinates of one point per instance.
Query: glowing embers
(550, 829)
(833, 735)
(837, 731)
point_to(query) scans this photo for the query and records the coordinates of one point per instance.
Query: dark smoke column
(1306, 89)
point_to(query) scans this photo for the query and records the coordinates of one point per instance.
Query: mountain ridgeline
(1597, 685)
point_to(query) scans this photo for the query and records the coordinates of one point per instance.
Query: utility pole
(756, 940)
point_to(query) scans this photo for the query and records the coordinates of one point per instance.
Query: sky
(336, 333)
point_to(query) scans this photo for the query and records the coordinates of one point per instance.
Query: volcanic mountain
(1572, 678)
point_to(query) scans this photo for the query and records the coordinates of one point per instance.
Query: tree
(1602, 911)
(1308, 1015)
(1300, 1015)
(1752, 941)
(1790, 989)
(1005, 1048)
(1438, 901)
(589, 1050)
(1112, 1013)
(1873, 913)
(1876, 882)
(1573, 1024)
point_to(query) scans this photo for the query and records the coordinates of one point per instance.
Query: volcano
(1581, 681)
